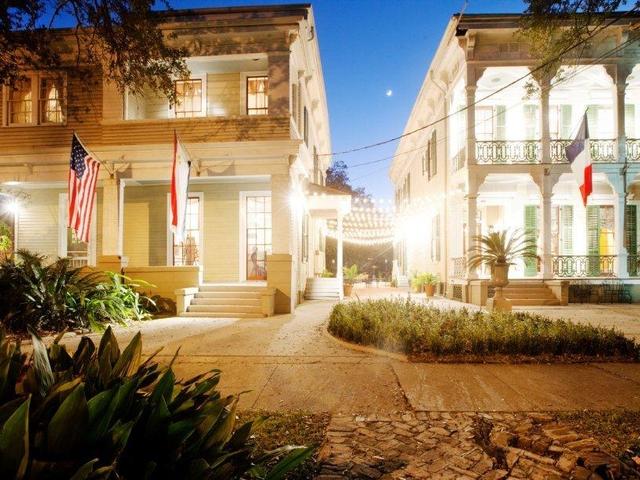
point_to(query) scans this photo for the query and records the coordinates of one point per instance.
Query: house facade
(253, 117)
(488, 154)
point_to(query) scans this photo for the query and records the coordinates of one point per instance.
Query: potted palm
(349, 277)
(499, 250)
(425, 282)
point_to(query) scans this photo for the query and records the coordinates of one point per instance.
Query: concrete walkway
(289, 362)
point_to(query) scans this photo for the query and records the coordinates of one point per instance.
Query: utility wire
(466, 107)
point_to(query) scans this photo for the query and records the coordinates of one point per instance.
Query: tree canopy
(122, 37)
(338, 178)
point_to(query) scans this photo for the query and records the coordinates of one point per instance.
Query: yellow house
(253, 117)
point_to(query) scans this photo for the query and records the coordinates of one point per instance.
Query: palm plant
(501, 248)
(350, 274)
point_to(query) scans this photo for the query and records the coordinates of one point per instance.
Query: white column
(545, 232)
(619, 120)
(339, 256)
(471, 124)
(472, 229)
(621, 249)
(545, 85)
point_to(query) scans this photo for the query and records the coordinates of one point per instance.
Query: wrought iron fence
(602, 150)
(632, 149)
(500, 151)
(580, 266)
(458, 161)
(459, 267)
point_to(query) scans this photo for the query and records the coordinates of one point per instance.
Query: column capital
(473, 73)
(619, 73)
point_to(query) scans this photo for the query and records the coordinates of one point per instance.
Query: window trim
(205, 104)
(243, 87)
(242, 228)
(35, 78)
(246, 95)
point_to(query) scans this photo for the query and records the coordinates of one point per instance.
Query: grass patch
(617, 431)
(289, 428)
(426, 332)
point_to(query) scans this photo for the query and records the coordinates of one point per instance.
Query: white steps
(320, 288)
(532, 293)
(402, 281)
(227, 300)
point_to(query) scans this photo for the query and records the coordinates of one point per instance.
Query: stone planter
(347, 288)
(499, 279)
(429, 289)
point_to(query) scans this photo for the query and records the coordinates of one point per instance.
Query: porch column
(472, 229)
(545, 85)
(473, 73)
(621, 268)
(111, 217)
(619, 74)
(280, 269)
(279, 82)
(339, 256)
(546, 181)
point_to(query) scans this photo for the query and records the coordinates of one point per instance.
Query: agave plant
(501, 248)
(105, 414)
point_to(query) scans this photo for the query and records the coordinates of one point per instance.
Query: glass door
(258, 235)
(188, 252)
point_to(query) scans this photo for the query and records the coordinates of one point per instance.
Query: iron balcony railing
(508, 151)
(459, 267)
(632, 148)
(602, 150)
(581, 266)
(633, 265)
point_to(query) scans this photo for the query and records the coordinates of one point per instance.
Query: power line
(579, 70)
(466, 107)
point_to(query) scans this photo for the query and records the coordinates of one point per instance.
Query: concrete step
(322, 289)
(228, 294)
(529, 296)
(231, 287)
(221, 315)
(225, 308)
(226, 301)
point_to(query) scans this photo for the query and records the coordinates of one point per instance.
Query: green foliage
(56, 296)
(416, 328)
(327, 274)
(350, 274)
(105, 414)
(5, 238)
(422, 279)
(501, 248)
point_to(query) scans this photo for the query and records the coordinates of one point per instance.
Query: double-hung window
(189, 98)
(35, 100)
(258, 95)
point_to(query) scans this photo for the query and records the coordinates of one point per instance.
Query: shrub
(56, 296)
(414, 328)
(420, 280)
(105, 414)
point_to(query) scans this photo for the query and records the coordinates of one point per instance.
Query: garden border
(401, 357)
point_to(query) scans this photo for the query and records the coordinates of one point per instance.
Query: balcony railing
(632, 147)
(633, 265)
(459, 267)
(602, 150)
(507, 152)
(582, 266)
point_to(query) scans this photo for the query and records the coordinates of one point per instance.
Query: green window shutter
(566, 126)
(531, 127)
(501, 122)
(631, 236)
(630, 120)
(593, 239)
(531, 233)
(566, 231)
(433, 157)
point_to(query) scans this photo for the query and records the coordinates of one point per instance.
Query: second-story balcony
(508, 151)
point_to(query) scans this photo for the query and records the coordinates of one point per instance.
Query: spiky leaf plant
(102, 413)
(501, 248)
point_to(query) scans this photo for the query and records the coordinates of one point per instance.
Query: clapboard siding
(223, 94)
(145, 225)
(84, 113)
(208, 129)
(38, 223)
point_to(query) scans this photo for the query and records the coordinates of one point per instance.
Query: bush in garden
(105, 414)
(56, 296)
(416, 328)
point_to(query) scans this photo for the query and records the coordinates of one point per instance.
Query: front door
(257, 235)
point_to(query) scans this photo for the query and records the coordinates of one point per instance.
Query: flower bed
(426, 332)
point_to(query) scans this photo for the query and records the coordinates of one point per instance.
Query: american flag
(83, 175)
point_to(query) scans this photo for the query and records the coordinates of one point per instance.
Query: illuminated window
(20, 102)
(257, 95)
(189, 98)
(258, 211)
(187, 252)
(51, 91)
